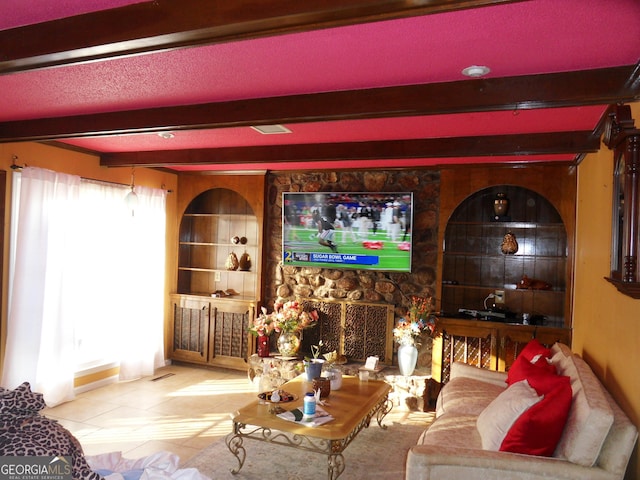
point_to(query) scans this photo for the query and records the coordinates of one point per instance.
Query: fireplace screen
(354, 329)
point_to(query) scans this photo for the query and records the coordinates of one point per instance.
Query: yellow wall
(66, 161)
(606, 323)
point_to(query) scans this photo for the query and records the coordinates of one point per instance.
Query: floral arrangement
(418, 321)
(420, 308)
(286, 317)
(262, 325)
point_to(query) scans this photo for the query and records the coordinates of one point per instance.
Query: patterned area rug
(374, 454)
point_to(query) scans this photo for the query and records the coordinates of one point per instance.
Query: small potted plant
(313, 366)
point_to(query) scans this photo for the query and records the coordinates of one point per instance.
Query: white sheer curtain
(87, 283)
(119, 267)
(39, 345)
(141, 339)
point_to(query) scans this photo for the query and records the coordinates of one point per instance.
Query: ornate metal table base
(332, 448)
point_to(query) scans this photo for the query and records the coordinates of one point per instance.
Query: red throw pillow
(533, 354)
(534, 349)
(539, 429)
(523, 369)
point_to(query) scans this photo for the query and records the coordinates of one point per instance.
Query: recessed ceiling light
(271, 129)
(166, 135)
(476, 71)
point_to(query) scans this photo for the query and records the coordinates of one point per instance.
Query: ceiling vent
(271, 129)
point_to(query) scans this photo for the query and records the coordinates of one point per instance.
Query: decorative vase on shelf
(407, 358)
(509, 244)
(501, 205)
(231, 262)
(263, 346)
(245, 262)
(288, 344)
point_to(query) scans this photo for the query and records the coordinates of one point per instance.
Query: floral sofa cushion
(453, 430)
(455, 399)
(470, 382)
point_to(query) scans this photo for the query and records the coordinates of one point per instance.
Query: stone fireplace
(358, 307)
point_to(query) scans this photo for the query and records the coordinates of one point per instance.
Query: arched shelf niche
(217, 223)
(474, 266)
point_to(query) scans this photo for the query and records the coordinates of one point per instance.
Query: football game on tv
(367, 231)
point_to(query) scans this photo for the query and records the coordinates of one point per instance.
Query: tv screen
(366, 231)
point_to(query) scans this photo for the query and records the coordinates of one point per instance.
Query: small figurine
(509, 244)
(275, 396)
(532, 284)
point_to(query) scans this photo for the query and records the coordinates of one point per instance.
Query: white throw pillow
(495, 421)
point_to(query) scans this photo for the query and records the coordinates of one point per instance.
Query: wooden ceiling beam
(498, 145)
(163, 25)
(593, 87)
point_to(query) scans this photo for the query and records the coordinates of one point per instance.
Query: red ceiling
(514, 39)
(440, 126)
(26, 12)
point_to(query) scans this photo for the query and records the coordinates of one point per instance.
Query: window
(86, 280)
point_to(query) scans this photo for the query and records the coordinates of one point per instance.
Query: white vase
(407, 358)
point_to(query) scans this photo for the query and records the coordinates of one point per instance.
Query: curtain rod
(107, 182)
(15, 166)
(119, 184)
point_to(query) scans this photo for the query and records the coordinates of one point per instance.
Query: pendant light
(132, 197)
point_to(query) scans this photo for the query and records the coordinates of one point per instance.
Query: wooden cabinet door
(191, 324)
(548, 335)
(230, 344)
(472, 344)
(514, 338)
(512, 341)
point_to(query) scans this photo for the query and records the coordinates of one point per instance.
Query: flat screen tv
(365, 231)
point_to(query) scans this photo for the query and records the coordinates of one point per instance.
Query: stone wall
(286, 282)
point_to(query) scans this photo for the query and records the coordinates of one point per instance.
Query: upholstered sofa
(549, 417)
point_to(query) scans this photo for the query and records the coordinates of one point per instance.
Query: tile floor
(179, 409)
(182, 412)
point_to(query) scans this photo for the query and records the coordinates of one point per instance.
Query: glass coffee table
(353, 407)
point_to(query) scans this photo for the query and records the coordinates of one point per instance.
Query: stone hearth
(410, 393)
